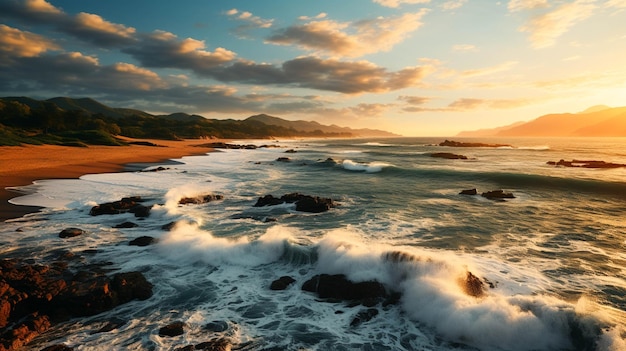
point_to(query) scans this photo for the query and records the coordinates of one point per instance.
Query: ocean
(552, 259)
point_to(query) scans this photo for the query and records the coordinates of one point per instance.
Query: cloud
(519, 5)
(15, 43)
(469, 104)
(315, 73)
(414, 100)
(547, 28)
(620, 4)
(165, 50)
(84, 26)
(453, 5)
(318, 16)
(251, 22)
(397, 3)
(350, 39)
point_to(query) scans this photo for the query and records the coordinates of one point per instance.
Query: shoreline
(22, 165)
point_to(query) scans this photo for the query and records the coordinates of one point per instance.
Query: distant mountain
(85, 121)
(487, 132)
(312, 126)
(596, 121)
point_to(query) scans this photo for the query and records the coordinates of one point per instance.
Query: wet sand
(21, 165)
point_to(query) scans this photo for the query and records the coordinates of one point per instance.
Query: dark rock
(282, 283)
(142, 241)
(140, 210)
(472, 285)
(126, 225)
(364, 316)
(157, 169)
(222, 145)
(217, 326)
(116, 207)
(468, 192)
(172, 329)
(497, 195)
(169, 226)
(200, 199)
(290, 151)
(586, 164)
(452, 143)
(449, 156)
(71, 232)
(130, 286)
(144, 143)
(215, 345)
(304, 203)
(339, 287)
(283, 159)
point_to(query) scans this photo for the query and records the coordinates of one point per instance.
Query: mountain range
(596, 121)
(87, 121)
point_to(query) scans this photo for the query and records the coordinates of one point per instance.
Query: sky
(411, 67)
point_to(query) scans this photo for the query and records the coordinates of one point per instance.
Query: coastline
(22, 165)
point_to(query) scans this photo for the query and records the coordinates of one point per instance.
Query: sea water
(554, 256)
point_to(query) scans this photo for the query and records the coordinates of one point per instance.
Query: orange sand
(21, 165)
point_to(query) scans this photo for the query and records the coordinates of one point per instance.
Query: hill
(83, 121)
(596, 121)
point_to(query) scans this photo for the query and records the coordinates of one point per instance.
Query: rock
(586, 164)
(363, 316)
(157, 169)
(282, 283)
(116, 207)
(142, 241)
(130, 286)
(172, 329)
(448, 155)
(213, 345)
(291, 151)
(472, 285)
(468, 192)
(222, 145)
(217, 326)
(497, 195)
(71, 232)
(126, 225)
(461, 144)
(339, 287)
(140, 210)
(283, 159)
(199, 199)
(304, 203)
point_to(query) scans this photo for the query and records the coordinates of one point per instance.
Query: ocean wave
(372, 167)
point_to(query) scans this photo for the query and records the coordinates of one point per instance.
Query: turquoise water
(555, 253)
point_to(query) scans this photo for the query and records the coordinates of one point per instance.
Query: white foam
(372, 167)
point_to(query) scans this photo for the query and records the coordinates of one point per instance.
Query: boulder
(448, 155)
(472, 285)
(304, 203)
(283, 159)
(339, 287)
(71, 232)
(468, 192)
(497, 195)
(172, 329)
(127, 204)
(282, 283)
(142, 241)
(201, 199)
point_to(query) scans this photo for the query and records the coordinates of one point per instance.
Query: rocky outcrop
(127, 204)
(34, 297)
(498, 195)
(340, 288)
(222, 145)
(472, 285)
(448, 155)
(468, 192)
(586, 164)
(304, 203)
(453, 143)
(283, 159)
(201, 199)
(172, 329)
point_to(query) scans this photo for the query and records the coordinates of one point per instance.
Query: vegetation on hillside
(82, 122)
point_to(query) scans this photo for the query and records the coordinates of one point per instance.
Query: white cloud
(397, 3)
(453, 5)
(518, 5)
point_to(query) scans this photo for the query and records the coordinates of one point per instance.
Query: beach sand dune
(21, 165)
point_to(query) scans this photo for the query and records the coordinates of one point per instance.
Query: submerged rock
(497, 195)
(448, 155)
(453, 143)
(142, 241)
(172, 329)
(71, 232)
(127, 204)
(339, 287)
(468, 192)
(363, 316)
(282, 283)
(126, 225)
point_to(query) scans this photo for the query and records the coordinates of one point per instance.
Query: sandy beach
(21, 165)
